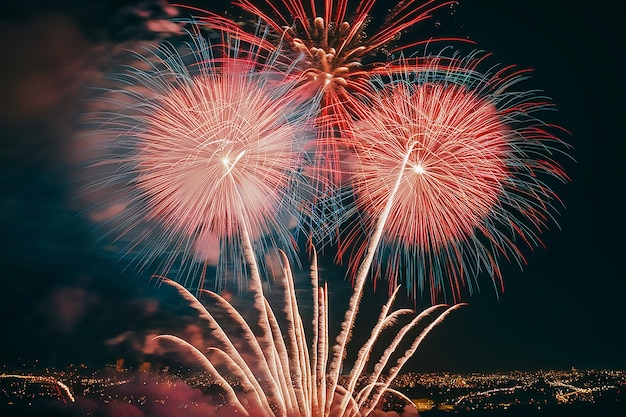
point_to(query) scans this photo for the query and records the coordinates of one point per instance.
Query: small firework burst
(460, 162)
(330, 43)
(207, 148)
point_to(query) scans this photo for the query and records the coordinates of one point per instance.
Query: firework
(328, 41)
(204, 153)
(289, 377)
(463, 164)
(449, 169)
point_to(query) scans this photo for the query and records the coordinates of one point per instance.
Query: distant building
(145, 367)
(424, 404)
(119, 365)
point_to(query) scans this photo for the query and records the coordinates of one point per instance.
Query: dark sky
(63, 297)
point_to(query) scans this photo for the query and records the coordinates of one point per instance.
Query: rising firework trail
(204, 152)
(289, 376)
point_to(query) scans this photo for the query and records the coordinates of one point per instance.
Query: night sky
(65, 298)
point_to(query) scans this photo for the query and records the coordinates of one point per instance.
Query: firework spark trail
(227, 346)
(383, 321)
(208, 366)
(204, 139)
(380, 382)
(476, 178)
(285, 368)
(300, 384)
(346, 328)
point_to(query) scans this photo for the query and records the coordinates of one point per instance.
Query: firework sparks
(206, 145)
(469, 162)
(332, 40)
(289, 376)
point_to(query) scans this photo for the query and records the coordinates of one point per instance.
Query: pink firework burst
(452, 166)
(207, 150)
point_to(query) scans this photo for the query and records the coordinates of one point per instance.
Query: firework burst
(329, 42)
(464, 165)
(205, 151)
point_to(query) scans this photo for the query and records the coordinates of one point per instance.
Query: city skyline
(154, 389)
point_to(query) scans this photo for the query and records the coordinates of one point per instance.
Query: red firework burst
(453, 164)
(208, 148)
